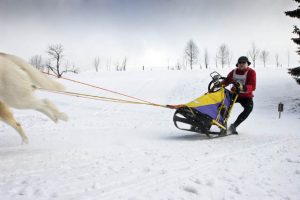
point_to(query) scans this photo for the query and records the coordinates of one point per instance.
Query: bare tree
(178, 66)
(36, 61)
(117, 66)
(184, 63)
(56, 53)
(264, 55)
(72, 69)
(216, 60)
(199, 61)
(124, 63)
(277, 60)
(108, 64)
(47, 64)
(229, 59)
(253, 53)
(121, 67)
(223, 54)
(191, 52)
(206, 58)
(96, 63)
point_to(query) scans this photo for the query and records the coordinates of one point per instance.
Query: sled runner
(208, 110)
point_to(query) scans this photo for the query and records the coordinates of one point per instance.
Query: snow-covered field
(124, 151)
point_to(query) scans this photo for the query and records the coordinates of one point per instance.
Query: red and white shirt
(247, 77)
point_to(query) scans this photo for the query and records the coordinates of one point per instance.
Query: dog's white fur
(18, 81)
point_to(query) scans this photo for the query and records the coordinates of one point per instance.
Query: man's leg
(247, 104)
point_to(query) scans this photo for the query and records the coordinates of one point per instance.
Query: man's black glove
(239, 87)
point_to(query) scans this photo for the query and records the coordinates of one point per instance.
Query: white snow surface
(125, 151)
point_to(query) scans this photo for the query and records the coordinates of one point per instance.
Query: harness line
(94, 97)
(100, 88)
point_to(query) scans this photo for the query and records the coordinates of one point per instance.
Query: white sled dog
(18, 81)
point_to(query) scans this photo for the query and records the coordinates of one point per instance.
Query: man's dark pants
(247, 104)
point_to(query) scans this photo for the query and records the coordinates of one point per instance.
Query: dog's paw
(63, 116)
(25, 141)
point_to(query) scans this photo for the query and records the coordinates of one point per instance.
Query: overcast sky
(148, 32)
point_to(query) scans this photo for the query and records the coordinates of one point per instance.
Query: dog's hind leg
(23, 98)
(45, 106)
(7, 116)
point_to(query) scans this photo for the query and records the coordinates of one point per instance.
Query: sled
(207, 111)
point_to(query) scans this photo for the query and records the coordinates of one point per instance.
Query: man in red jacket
(245, 79)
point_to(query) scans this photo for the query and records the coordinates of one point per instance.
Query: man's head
(243, 63)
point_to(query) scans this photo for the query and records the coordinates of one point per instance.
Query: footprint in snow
(210, 183)
(28, 191)
(198, 181)
(146, 170)
(96, 186)
(236, 190)
(292, 161)
(190, 189)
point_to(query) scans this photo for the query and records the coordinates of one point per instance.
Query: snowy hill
(124, 151)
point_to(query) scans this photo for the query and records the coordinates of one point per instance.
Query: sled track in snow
(179, 170)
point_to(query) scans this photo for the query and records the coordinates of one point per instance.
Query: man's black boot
(232, 129)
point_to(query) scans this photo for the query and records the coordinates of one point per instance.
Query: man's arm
(251, 83)
(228, 79)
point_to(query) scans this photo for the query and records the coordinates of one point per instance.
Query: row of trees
(58, 65)
(108, 65)
(224, 56)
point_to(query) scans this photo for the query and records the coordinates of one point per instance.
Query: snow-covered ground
(124, 151)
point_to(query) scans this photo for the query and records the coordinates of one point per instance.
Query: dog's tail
(36, 76)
